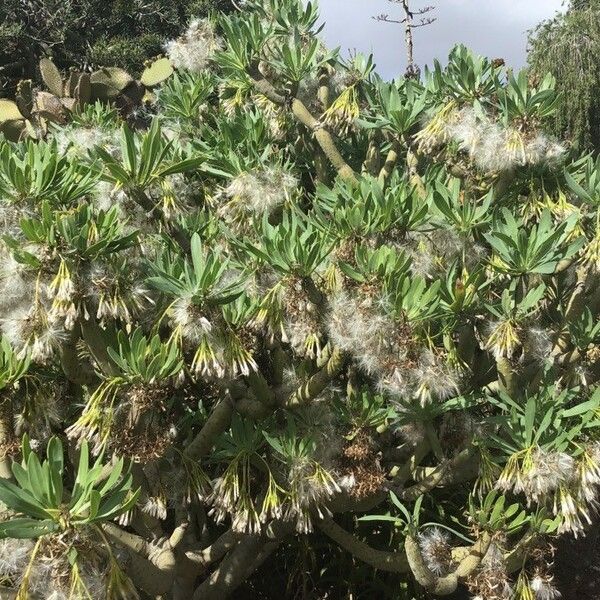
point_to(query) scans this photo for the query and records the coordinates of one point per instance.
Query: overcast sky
(496, 28)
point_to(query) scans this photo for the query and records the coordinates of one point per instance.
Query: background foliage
(568, 46)
(89, 33)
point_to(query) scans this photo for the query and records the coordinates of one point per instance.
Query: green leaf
(395, 520)
(24, 528)
(39, 483)
(581, 409)
(401, 506)
(55, 460)
(530, 412)
(21, 501)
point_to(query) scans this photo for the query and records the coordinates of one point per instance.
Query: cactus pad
(24, 97)
(157, 72)
(50, 107)
(51, 76)
(9, 111)
(109, 82)
(83, 89)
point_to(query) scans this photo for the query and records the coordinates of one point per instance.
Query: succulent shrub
(303, 304)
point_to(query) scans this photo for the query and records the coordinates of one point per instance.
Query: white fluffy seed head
(260, 191)
(355, 324)
(14, 556)
(195, 48)
(432, 379)
(26, 328)
(467, 129)
(187, 316)
(436, 550)
(548, 470)
(538, 344)
(15, 286)
(77, 141)
(496, 148)
(57, 595)
(543, 588)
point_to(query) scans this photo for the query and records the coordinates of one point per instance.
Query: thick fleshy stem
(232, 570)
(7, 434)
(98, 341)
(442, 475)
(217, 423)
(390, 163)
(372, 162)
(73, 368)
(393, 562)
(318, 382)
(216, 551)
(444, 586)
(152, 569)
(304, 116)
(506, 376)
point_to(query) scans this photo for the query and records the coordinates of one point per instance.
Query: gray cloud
(496, 28)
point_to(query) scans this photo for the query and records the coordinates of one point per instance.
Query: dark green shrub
(122, 33)
(568, 46)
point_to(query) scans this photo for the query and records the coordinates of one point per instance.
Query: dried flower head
(436, 550)
(195, 48)
(542, 585)
(258, 192)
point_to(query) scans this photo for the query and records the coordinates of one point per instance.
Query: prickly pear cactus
(51, 77)
(156, 72)
(109, 82)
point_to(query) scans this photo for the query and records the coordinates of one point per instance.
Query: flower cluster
(257, 192)
(386, 350)
(567, 485)
(492, 147)
(195, 48)
(436, 551)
